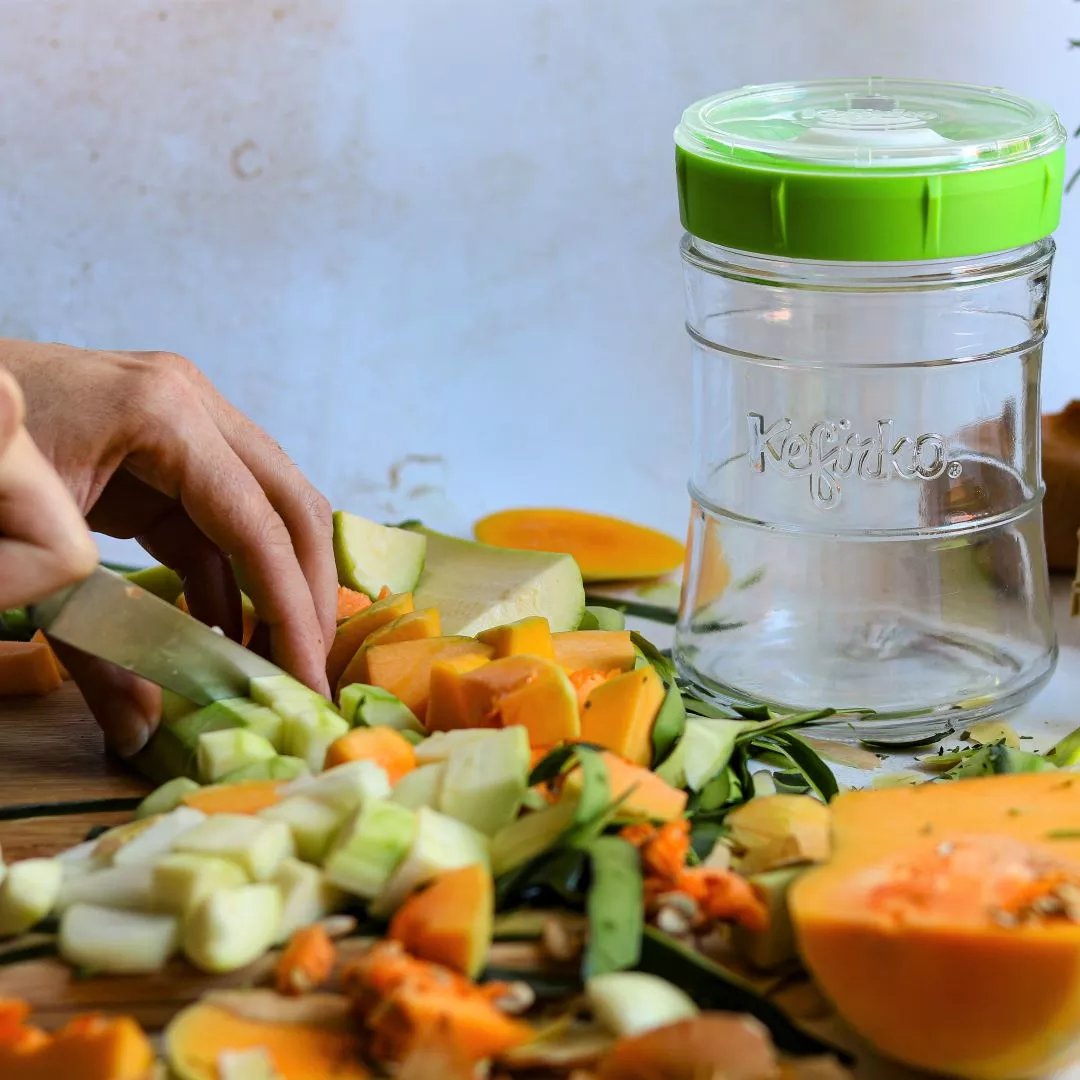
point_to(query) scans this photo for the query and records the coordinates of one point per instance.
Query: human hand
(44, 542)
(150, 450)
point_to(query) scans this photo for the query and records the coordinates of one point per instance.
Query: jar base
(912, 672)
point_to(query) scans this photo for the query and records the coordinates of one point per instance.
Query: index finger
(226, 502)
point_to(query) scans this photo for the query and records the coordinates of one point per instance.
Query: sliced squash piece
(369, 848)
(313, 824)
(643, 793)
(383, 745)
(350, 602)
(352, 632)
(88, 1047)
(450, 921)
(345, 787)
(39, 638)
(414, 626)
(598, 650)
(605, 548)
(525, 691)
(181, 882)
(372, 706)
(477, 586)
(166, 797)
(778, 830)
(619, 714)
(958, 899)
(242, 797)
(28, 668)
(370, 556)
(404, 667)
(530, 636)
(222, 752)
(421, 787)
(306, 896)
(449, 706)
(307, 1038)
(257, 846)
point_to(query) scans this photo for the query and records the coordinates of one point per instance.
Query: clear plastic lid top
(872, 123)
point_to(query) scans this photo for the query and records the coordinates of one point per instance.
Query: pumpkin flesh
(946, 926)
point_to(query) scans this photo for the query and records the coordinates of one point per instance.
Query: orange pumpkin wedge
(644, 794)
(605, 548)
(88, 1047)
(28, 668)
(382, 745)
(449, 922)
(308, 1038)
(242, 797)
(354, 630)
(959, 900)
(404, 667)
(350, 602)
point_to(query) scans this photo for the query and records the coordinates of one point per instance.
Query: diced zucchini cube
(309, 734)
(372, 706)
(28, 893)
(311, 822)
(128, 887)
(182, 881)
(420, 787)
(369, 847)
(166, 797)
(306, 896)
(223, 752)
(486, 779)
(117, 942)
(441, 843)
(233, 927)
(345, 787)
(255, 845)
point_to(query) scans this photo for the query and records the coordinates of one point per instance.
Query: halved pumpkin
(945, 927)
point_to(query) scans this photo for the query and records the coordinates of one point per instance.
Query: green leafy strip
(714, 987)
(615, 907)
(669, 725)
(805, 760)
(654, 612)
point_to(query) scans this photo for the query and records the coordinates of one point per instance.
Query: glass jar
(867, 266)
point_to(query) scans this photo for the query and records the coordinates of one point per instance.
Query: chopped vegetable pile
(502, 768)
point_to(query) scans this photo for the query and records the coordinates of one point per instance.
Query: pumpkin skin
(914, 932)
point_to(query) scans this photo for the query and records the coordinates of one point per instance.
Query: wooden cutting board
(56, 781)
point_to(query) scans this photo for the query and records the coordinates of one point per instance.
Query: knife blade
(111, 618)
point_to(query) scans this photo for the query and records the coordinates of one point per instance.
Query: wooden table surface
(52, 754)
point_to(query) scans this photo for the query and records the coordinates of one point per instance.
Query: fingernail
(132, 735)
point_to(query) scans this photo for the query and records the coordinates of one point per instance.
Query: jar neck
(866, 276)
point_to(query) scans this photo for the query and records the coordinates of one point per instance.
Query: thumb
(127, 708)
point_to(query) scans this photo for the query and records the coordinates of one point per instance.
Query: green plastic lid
(870, 170)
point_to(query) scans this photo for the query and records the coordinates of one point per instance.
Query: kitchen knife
(109, 617)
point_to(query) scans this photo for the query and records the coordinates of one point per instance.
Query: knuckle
(173, 362)
(320, 511)
(159, 389)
